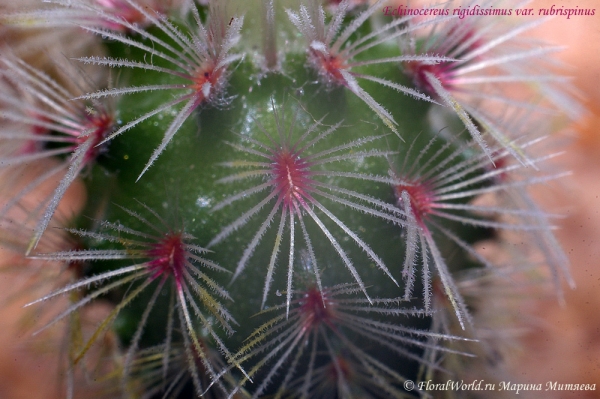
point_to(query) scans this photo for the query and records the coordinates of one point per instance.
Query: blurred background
(565, 346)
(564, 343)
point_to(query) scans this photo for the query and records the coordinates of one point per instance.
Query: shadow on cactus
(314, 346)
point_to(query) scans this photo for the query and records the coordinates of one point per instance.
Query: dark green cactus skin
(182, 185)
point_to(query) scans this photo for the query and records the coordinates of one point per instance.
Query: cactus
(285, 198)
